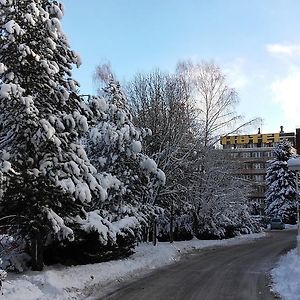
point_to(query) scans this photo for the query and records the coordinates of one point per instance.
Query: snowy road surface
(237, 272)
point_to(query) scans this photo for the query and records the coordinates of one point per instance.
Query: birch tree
(215, 100)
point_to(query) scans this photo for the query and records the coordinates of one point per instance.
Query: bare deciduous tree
(215, 100)
(161, 102)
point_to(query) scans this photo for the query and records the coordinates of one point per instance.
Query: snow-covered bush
(182, 226)
(100, 240)
(3, 275)
(219, 203)
(13, 254)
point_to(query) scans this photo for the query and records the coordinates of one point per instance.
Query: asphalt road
(237, 272)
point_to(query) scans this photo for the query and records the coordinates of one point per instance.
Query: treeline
(83, 180)
(186, 112)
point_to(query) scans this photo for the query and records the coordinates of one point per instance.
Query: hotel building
(253, 151)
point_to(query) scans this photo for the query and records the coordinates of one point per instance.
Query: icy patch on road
(286, 276)
(77, 282)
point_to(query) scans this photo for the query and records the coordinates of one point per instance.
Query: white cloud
(236, 73)
(286, 92)
(292, 50)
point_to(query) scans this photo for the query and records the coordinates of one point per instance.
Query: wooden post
(172, 224)
(154, 241)
(148, 234)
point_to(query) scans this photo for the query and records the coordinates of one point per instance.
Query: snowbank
(286, 276)
(291, 227)
(80, 282)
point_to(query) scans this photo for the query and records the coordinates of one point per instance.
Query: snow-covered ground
(286, 276)
(81, 282)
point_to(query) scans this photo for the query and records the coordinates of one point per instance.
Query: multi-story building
(253, 151)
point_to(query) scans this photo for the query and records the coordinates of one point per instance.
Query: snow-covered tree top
(283, 151)
(42, 116)
(31, 33)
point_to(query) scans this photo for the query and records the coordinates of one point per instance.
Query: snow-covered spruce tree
(42, 118)
(281, 186)
(114, 146)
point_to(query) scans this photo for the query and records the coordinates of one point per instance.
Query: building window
(258, 166)
(261, 189)
(259, 178)
(256, 154)
(269, 154)
(234, 155)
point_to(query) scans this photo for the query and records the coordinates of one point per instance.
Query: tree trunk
(37, 251)
(195, 224)
(172, 224)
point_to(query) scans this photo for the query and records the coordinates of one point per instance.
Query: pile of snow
(81, 282)
(291, 227)
(286, 276)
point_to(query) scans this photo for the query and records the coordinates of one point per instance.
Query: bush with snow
(101, 240)
(13, 254)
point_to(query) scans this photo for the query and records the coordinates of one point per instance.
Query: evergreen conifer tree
(281, 186)
(114, 146)
(42, 119)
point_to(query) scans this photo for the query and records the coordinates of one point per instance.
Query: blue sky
(256, 43)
